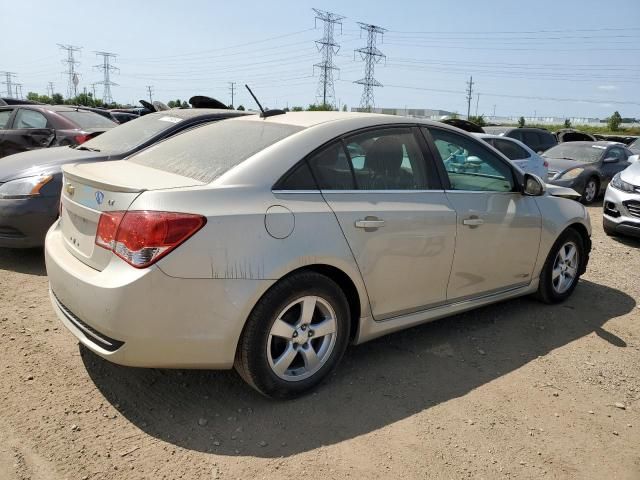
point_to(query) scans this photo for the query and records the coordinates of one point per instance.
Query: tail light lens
(546, 164)
(141, 238)
(80, 139)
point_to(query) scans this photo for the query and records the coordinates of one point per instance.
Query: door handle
(369, 223)
(473, 222)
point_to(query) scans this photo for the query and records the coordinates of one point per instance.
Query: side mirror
(633, 158)
(533, 185)
(610, 160)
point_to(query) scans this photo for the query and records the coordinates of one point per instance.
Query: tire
(284, 352)
(548, 291)
(591, 189)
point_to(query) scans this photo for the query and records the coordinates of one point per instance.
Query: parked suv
(537, 139)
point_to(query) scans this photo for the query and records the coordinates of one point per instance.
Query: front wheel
(562, 268)
(295, 336)
(590, 191)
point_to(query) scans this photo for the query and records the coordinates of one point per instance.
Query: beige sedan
(270, 243)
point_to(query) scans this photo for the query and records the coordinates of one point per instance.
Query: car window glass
(531, 139)
(30, 119)
(331, 168)
(469, 165)
(299, 178)
(4, 118)
(511, 150)
(617, 153)
(387, 159)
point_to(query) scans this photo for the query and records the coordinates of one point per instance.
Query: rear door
(498, 229)
(6, 115)
(394, 214)
(30, 130)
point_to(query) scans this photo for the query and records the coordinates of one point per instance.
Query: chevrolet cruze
(271, 242)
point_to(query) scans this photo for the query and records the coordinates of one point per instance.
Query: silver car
(270, 243)
(622, 203)
(516, 151)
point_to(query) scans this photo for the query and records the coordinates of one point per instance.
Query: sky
(543, 58)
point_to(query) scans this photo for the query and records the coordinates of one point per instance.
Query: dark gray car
(30, 182)
(586, 167)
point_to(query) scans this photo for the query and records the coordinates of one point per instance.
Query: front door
(396, 218)
(498, 228)
(29, 132)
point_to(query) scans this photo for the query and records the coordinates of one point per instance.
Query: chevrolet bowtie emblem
(70, 189)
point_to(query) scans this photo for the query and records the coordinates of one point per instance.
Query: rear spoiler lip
(67, 170)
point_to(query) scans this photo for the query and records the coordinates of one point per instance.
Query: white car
(270, 244)
(516, 151)
(622, 202)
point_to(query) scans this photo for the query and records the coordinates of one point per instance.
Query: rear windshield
(206, 153)
(132, 134)
(85, 119)
(589, 153)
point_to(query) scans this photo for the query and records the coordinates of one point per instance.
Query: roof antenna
(265, 113)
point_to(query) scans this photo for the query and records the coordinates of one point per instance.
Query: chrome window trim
(357, 191)
(483, 191)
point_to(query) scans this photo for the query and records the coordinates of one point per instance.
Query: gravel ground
(515, 390)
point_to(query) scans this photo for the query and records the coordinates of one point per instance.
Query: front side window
(4, 118)
(617, 153)
(469, 165)
(511, 150)
(385, 159)
(30, 119)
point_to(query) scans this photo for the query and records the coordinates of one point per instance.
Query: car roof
(600, 143)
(185, 113)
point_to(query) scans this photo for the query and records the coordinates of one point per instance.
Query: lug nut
(303, 328)
(295, 334)
(310, 334)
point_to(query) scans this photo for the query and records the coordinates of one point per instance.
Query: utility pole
(50, 89)
(371, 55)
(494, 110)
(93, 88)
(106, 68)
(8, 82)
(231, 88)
(72, 63)
(469, 96)
(328, 48)
(150, 90)
(477, 102)
(18, 87)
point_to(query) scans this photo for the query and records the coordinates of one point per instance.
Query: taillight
(142, 237)
(546, 164)
(80, 139)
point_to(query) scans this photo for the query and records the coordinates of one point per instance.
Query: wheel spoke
(282, 329)
(308, 307)
(324, 328)
(571, 272)
(555, 273)
(284, 361)
(310, 357)
(571, 254)
(563, 253)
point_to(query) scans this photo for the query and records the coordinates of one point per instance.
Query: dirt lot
(516, 390)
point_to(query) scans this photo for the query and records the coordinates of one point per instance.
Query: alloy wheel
(302, 338)
(565, 268)
(590, 191)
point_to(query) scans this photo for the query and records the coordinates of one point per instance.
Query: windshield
(132, 134)
(635, 147)
(206, 153)
(582, 153)
(85, 119)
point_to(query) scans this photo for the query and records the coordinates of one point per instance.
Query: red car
(28, 127)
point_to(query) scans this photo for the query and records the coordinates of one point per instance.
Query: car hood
(563, 192)
(631, 174)
(561, 165)
(44, 160)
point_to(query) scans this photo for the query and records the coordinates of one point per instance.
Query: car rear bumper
(145, 318)
(621, 212)
(24, 222)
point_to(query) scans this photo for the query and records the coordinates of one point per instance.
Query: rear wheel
(590, 190)
(295, 335)
(562, 268)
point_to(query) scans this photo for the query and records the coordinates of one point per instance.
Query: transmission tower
(232, 86)
(8, 82)
(18, 87)
(93, 88)
(150, 90)
(371, 55)
(50, 89)
(328, 48)
(72, 63)
(107, 68)
(469, 96)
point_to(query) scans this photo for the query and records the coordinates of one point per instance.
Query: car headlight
(573, 173)
(617, 182)
(24, 187)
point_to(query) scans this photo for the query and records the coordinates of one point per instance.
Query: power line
(327, 47)
(72, 63)
(371, 55)
(469, 96)
(106, 68)
(8, 82)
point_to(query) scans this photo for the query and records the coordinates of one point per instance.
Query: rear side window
(4, 118)
(511, 150)
(206, 153)
(85, 119)
(531, 139)
(30, 119)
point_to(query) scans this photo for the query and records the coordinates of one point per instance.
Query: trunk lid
(93, 188)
